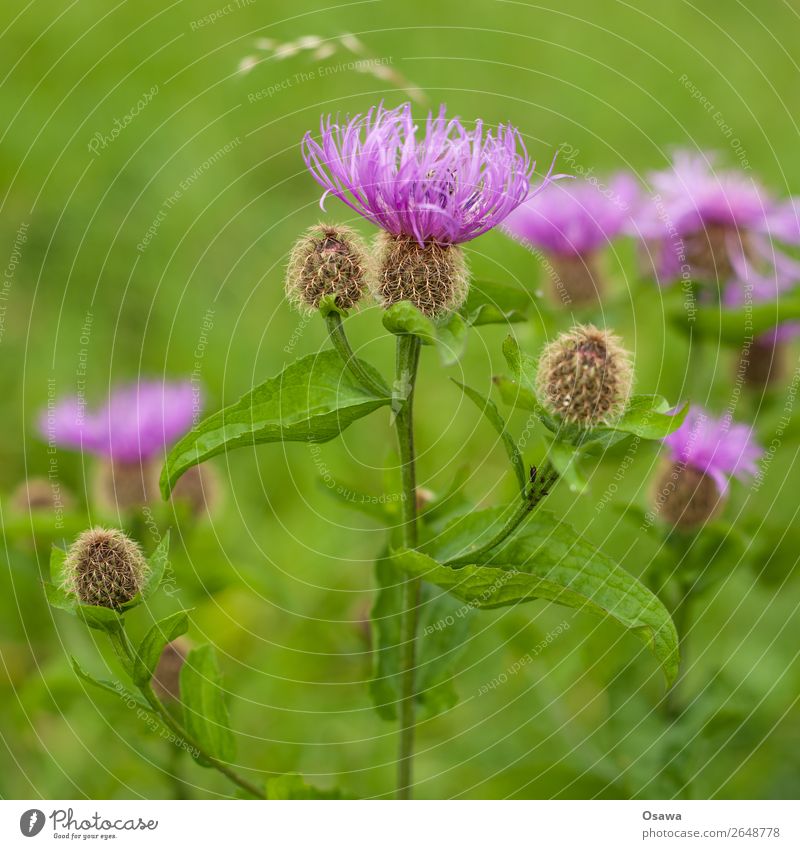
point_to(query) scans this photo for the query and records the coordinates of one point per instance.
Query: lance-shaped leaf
(492, 414)
(312, 400)
(115, 687)
(549, 560)
(205, 710)
(149, 651)
(648, 417)
(494, 303)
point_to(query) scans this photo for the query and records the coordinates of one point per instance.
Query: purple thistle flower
(450, 186)
(726, 214)
(138, 422)
(716, 447)
(575, 217)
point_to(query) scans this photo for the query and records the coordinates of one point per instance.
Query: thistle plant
(430, 188)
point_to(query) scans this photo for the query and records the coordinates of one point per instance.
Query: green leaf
(495, 303)
(100, 618)
(404, 318)
(735, 326)
(523, 366)
(492, 414)
(451, 339)
(158, 563)
(442, 633)
(291, 786)
(312, 400)
(57, 597)
(647, 417)
(545, 559)
(115, 687)
(149, 651)
(566, 458)
(205, 710)
(518, 396)
(58, 558)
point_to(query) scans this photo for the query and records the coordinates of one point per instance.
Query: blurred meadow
(159, 249)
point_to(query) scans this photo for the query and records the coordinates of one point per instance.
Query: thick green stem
(341, 343)
(408, 349)
(535, 493)
(183, 739)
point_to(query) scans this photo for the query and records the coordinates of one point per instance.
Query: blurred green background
(280, 579)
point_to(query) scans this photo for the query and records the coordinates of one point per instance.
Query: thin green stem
(341, 343)
(124, 650)
(408, 350)
(535, 493)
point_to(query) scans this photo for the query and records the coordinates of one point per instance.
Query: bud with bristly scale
(327, 260)
(585, 376)
(105, 568)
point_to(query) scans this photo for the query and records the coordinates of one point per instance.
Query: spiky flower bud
(687, 497)
(585, 376)
(166, 678)
(122, 487)
(104, 568)
(433, 276)
(327, 260)
(198, 488)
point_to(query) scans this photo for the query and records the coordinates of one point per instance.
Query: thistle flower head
(447, 186)
(585, 376)
(724, 224)
(574, 217)
(327, 260)
(138, 421)
(716, 447)
(104, 568)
